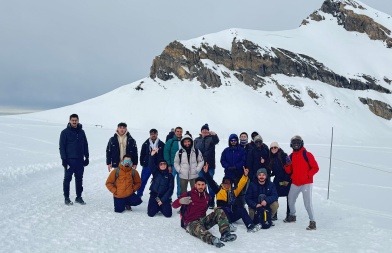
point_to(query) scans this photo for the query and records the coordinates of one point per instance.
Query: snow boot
(253, 228)
(312, 226)
(68, 202)
(290, 219)
(80, 200)
(217, 243)
(129, 208)
(227, 237)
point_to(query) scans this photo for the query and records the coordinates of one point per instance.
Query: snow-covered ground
(34, 218)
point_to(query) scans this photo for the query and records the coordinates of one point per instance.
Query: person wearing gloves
(188, 162)
(162, 186)
(123, 182)
(195, 220)
(302, 169)
(262, 199)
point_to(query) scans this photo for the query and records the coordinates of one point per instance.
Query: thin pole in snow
(330, 162)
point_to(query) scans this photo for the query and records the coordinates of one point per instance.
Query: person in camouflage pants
(194, 205)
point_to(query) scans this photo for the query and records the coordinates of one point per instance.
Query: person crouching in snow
(225, 199)
(162, 186)
(123, 183)
(195, 220)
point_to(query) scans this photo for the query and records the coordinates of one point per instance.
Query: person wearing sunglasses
(282, 180)
(162, 185)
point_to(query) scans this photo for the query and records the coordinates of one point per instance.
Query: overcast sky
(55, 53)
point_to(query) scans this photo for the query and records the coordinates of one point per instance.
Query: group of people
(248, 170)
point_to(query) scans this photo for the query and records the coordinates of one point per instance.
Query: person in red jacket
(196, 222)
(302, 167)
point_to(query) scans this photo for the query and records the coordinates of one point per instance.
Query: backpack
(263, 217)
(182, 151)
(118, 172)
(182, 212)
(304, 155)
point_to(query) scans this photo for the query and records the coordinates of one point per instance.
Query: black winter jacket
(73, 143)
(276, 166)
(253, 160)
(162, 184)
(145, 151)
(113, 150)
(207, 147)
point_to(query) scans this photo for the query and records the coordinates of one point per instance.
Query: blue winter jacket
(233, 159)
(255, 189)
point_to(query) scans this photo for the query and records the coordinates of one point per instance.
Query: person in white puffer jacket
(188, 162)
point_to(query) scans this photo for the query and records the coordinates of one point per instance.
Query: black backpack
(263, 217)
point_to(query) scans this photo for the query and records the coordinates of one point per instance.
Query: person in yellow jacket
(123, 183)
(226, 194)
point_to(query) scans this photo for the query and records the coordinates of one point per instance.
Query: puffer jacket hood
(233, 136)
(184, 138)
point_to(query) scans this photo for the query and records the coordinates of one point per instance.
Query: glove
(86, 162)
(288, 160)
(64, 163)
(185, 200)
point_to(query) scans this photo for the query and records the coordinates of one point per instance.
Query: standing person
(120, 144)
(170, 150)
(226, 194)
(261, 197)
(206, 144)
(282, 180)
(244, 141)
(170, 135)
(195, 220)
(233, 160)
(74, 156)
(123, 182)
(302, 168)
(162, 186)
(258, 157)
(188, 162)
(150, 144)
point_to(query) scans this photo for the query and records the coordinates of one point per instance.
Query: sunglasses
(160, 164)
(274, 147)
(233, 140)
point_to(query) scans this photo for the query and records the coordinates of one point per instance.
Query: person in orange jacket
(123, 183)
(302, 166)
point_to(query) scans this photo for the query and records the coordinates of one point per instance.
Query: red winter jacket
(197, 208)
(302, 172)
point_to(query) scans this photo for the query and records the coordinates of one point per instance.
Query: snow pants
(120, 203)
(153, 208)
(75, 167)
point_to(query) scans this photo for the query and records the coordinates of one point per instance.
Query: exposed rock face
(356, 22)
(379, 108)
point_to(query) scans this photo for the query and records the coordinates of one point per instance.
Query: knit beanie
(205, 126)
(262, 170)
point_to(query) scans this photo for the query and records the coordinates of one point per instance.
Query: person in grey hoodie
(188, 162)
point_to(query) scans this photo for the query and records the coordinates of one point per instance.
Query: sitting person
(262, 199)
(123, 182)
(195, 220)
(162, 186)
(225, 199)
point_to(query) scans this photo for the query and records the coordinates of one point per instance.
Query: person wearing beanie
(162, 185)
(150, 144)
(170, 135)
(257, 157)
(188, 162)
(226, 194)
(262, 199)
(206, 143)
(302, 167)
(169, 152)
(195, 220)
(282, 180)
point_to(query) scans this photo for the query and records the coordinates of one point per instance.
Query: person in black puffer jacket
(162, 186)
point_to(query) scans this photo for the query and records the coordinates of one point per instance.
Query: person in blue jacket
(162, 186)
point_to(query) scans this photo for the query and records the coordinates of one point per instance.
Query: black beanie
(205, 126)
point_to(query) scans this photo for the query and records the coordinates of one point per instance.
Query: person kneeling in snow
(196, 222)
(123, 183)
(162, 186)
(225, 199)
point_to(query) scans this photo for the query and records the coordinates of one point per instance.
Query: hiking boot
(254, 228)
(80, 200)
(129, 208)
(211, 203)
(68, 202)
(290, 219)
(227, 237)
(232, 227)
(217, 243)
(312, 225)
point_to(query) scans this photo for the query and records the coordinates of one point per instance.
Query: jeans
(146, 173)
(131, 200)
(177, 178)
